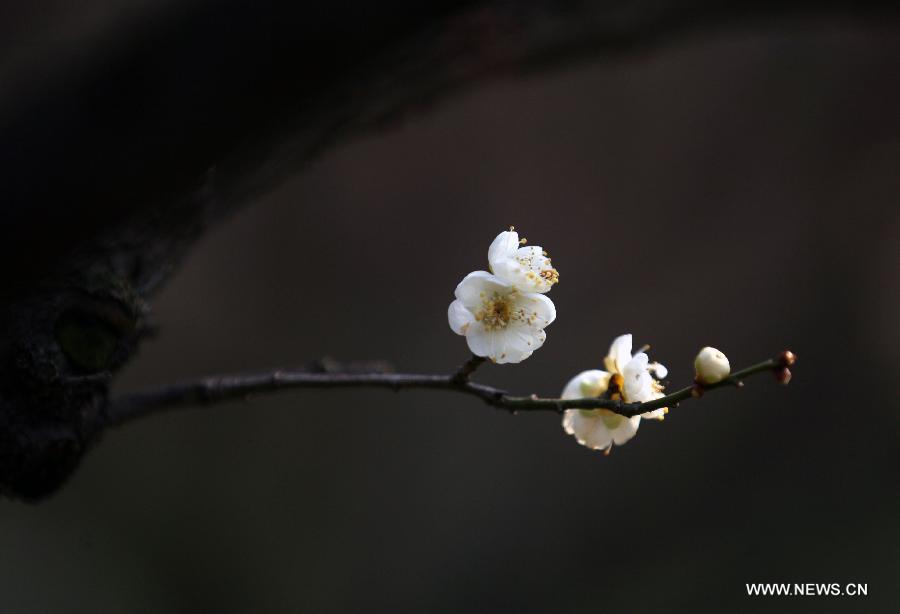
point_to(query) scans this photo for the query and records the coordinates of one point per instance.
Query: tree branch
(215, 389)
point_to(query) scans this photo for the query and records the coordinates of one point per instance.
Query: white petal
(528, 269)
(499, 345)
(515, 344)
(520, 343)
(511, 271)
(534, 258)
(626, 430)
(598, 438)
(588, 428)
(568, 422)
(538, 266)
(471, 289)
(638, 362)
(656, 414)
(511, 356)
(539, 310)
(523, 338)
(533, 254)
(501, 348)
(659, 371)
(503, 247)
(638, 383)
(459, 317)
(619, 354)
(587, 384)
(479, 340)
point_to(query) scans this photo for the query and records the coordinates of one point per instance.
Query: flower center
(495, 313)
(616, 387)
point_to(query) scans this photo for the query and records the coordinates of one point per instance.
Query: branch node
(465, 371)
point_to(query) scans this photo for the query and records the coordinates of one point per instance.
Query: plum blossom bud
(787, 358)
(783, 376)
(711, 366)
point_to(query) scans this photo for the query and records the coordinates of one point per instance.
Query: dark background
(736, 188)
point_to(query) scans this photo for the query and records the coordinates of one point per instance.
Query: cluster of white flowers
(629, 378)
(503, 313)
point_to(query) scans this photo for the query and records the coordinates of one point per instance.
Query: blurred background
(736, 189)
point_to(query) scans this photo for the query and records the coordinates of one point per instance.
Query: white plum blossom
(711, 366)
(527, 268)
(597, 429)
(637, 382)
(503, 314)
(629, 378)
(498, 320)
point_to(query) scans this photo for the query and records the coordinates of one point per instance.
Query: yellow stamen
(551, 276)
(497, 312)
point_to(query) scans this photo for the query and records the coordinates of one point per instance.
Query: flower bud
(783, 376)
(787, 358)
(711, 366)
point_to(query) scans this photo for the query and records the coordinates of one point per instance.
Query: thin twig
(210, 390)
